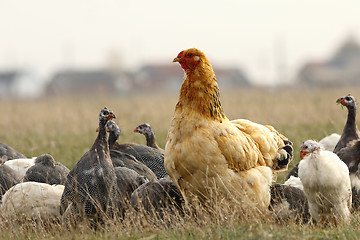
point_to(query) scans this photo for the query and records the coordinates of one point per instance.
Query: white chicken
(326, 184)
(294, 182)
(329, 142)
(32, 200)
(20, 165)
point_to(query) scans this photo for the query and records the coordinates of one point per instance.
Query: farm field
(65, 128)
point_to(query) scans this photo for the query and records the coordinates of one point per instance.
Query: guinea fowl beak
(177, 59)
(136, 130)
(112, 116)
(340, 100)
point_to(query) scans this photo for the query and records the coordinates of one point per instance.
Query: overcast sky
(260, 36)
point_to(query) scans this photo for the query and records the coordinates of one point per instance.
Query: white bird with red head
(326, 184)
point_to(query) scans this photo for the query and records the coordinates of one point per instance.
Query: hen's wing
(238, 148)
(275, 148)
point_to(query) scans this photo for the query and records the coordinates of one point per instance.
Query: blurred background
(122, 47)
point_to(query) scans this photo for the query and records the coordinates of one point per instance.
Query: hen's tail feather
(284, 156)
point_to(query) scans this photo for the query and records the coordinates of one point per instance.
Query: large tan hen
(206, 154)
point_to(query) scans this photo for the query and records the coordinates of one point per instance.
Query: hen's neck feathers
(200, 93)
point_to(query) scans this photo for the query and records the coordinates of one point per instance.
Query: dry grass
(65, 128)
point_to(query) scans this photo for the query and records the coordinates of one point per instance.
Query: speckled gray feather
(47, 170)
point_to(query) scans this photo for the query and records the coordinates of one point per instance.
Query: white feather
(327, 185)
(329, 142)
(32, 199)
(294, 182)
(20, 165)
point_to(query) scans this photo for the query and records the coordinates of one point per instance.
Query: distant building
(342, 69)
(83, 82)
(170, 77)
(19, 84)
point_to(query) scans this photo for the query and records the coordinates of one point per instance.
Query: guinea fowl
(120, 159)
(145, 129)
(90, 184)
(350, 155)
(326, 184)
(350, 131)
(156, 197)
(127, 181)
(152, 158)
(9, 153)
(289, 203)
(8, 178)
(47, 170)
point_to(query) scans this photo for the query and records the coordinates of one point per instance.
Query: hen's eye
(190, 55)
(347, 99)
(106, 113)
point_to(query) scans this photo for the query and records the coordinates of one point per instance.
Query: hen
(206, 153)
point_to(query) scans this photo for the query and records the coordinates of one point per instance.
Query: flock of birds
(205, 154)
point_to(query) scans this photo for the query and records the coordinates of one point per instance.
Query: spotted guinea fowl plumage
(155, 197)
(120, 159)
(47, 170)
(9, 153)
(350, 155)
(90, 184)
(8, 178)
(127, 180)
(152, 158)
(289, 203)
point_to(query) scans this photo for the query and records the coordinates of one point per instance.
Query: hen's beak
(177, 59)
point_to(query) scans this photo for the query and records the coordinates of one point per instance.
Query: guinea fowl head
(347, 101)
(46, 159)
(112, 127)
(106, 114)
(308, 147)
(189, 59)
(114, 132)
(144, 129)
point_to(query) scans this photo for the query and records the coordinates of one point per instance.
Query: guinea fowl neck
(351, 119)
(200, 93)
(113, 137)
(101, 138)
(150, 139)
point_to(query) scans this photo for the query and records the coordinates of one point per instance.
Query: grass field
(65, 128)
